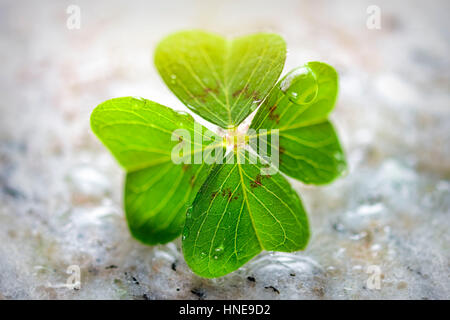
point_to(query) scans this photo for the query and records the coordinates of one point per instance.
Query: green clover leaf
(219, 79)
(237, 213)
(298, 106)
(157, 192)
(228, 209)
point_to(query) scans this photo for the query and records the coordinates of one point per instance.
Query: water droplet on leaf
(185, 233)
(183, 113)
(300, 85)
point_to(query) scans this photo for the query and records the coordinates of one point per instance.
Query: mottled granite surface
(60, 190)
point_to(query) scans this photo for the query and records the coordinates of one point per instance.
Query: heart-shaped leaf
(221, 80)
(140, 134)
(239, 212)
(298, 106)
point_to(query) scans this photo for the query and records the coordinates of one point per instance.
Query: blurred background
(379, 232)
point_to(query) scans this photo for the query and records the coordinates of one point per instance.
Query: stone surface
(60, 190)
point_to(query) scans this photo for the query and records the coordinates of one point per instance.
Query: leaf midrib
(276, 196)
(244, 193)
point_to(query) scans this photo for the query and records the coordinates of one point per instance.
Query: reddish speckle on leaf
(208, 90)
(239, 92)
(258, 180)
(246, 93)
(227, 193)
(255, 95)
(272, 115)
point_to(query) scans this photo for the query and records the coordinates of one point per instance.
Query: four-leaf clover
(227, 212)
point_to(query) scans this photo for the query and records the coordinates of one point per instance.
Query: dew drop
(300, 85)
(338, 156)
(192, 107)
(183, 113)
(185, 233)
(189, 213)
(342, 168)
